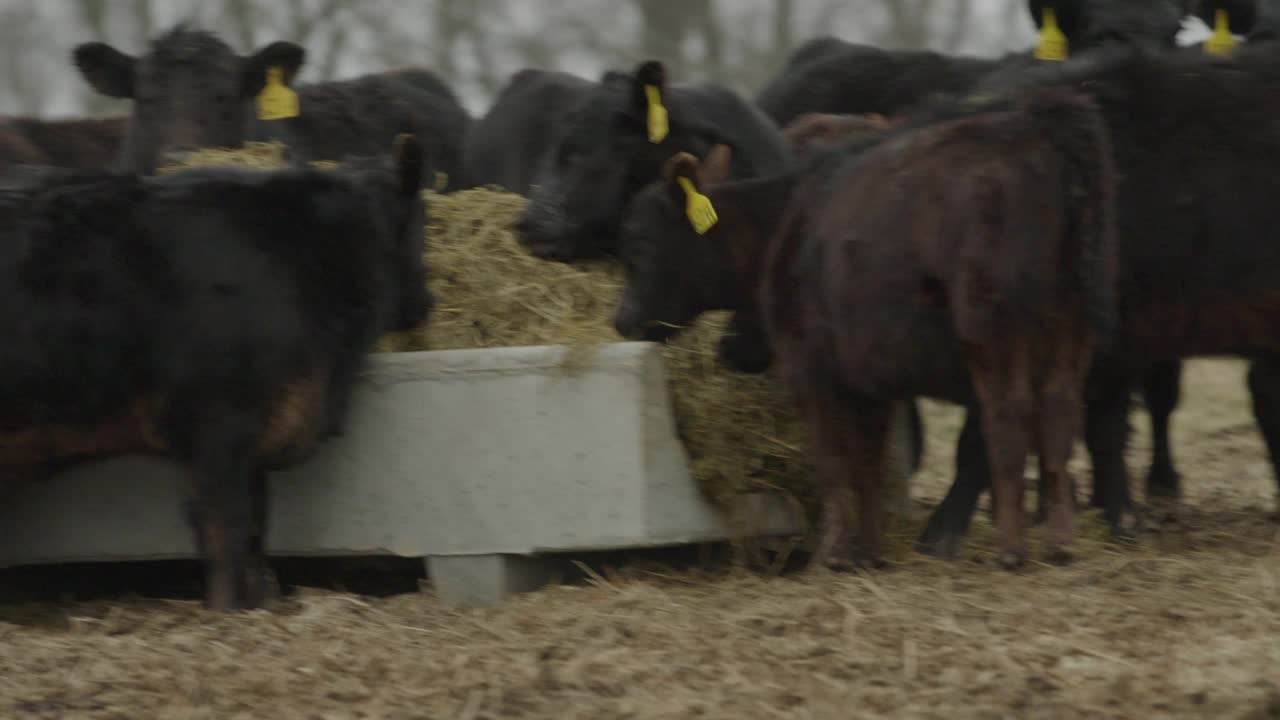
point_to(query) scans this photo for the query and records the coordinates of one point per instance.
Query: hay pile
(741, 432)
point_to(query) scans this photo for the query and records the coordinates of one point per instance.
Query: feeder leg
(485, 580)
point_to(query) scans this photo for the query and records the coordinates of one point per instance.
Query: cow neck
(751, 214)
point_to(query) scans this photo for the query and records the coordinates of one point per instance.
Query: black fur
(191, 90)
(505, 147)
(181, 315)
(602, 156)
(1194, 140)
(827, 75)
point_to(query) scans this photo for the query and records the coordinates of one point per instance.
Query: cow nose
(626, 327)
(533, 235)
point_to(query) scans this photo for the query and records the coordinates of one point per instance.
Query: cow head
(673, 272)
(1086, 24)
(612, 143)
(190, 90)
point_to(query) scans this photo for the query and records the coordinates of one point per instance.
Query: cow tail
(1076, 125)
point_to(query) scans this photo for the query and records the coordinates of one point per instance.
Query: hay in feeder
(741, 431)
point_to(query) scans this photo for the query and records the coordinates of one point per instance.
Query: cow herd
(1034, 237)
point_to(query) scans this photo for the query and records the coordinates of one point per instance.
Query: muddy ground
(1186, 624)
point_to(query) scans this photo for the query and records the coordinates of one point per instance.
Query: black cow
(71, 143)
(996, 288)
(1195, 140)
(191, 90)
(616, 137)
(613, 140)
(505, 147)
(216, 316)
(828, 75)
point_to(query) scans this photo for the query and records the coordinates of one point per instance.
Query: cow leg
(1264, 387)
(254, 584)
(950, 520)
(1008, 439)
(1061, 415)
(917, 434)
(1160, 392)
(870, 435)
(843, 440)
(1003, 384)
(1106, 434)
(834, 470)
(223, 507)
(337, 401)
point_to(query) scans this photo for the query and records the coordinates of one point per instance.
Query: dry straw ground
(1185, 624)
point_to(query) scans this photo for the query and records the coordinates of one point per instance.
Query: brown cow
(823, 129)
(968, 255)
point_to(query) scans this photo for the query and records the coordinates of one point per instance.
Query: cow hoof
(870, 560)
(1059, 555)
(946, 546)
(941, 539)
(837, 563)
(1125, 529)
(850, 561)
(1038, 518)
(1164, 484)
(1010, 560)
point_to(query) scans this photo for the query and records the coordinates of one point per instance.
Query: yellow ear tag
(702, 215)
(277, 101)
(657, 115)
(1222, 42)
(1053, 44)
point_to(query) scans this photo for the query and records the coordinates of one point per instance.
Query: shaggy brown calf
(968, 255)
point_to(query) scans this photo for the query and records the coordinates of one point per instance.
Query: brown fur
(987, 238)
(816, 129)
(296, 422)
(132, 430)
(968, 254)
(295, 425)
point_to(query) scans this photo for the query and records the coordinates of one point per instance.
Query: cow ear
(684, 176)
(410, 160)
(287, 56)
(717, 166)
(680, 170)
(649, 99)
(107, 70)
